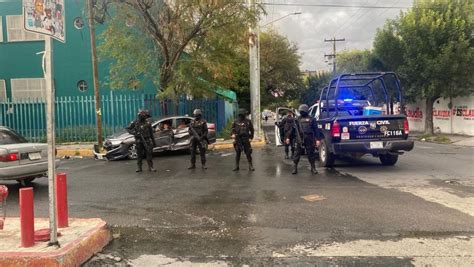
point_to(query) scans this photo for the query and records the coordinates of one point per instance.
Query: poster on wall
(45, 17)
(464, 111)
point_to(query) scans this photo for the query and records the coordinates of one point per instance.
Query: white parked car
(21, 160)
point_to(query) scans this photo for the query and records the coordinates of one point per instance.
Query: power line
(340, 5)
(348, 20)
(362, 15)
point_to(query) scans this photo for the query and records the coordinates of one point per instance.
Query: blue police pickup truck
(360, 114)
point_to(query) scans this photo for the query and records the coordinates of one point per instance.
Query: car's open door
(163, 136)
(182, 139)
(281, 113)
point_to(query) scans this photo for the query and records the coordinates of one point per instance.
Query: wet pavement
(270, 217)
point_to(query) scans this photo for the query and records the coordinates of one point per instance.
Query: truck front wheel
(326, 158)
(388, 159)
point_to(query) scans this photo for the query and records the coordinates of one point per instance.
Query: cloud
(309, 29)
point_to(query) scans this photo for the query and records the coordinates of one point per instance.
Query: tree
(431, 47)
(167, 33)
(279, 69)
(313, 86)
(358, 61)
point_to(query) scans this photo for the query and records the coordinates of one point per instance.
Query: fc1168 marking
(393, 133)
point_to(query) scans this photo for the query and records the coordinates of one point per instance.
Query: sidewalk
(455, 139)
(86, 149)
(79, 242)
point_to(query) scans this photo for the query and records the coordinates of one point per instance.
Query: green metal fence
(76, 120)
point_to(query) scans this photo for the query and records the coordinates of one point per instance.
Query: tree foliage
(174, 39)
(313, 85)
(431, 47)
(279, 69)
(353, 61)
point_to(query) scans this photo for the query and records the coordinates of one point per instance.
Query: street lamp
(278, 19)
(254, 59)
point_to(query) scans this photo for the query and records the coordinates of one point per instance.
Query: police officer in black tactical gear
(198, 132)
(242, 133)
(307, 129)
(144, 140)
(289, 133)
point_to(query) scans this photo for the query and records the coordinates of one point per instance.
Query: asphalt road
(359, 213)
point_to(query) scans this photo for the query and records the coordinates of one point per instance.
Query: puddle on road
(199, 242)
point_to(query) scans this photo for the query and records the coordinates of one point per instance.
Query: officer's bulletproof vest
(289, 124)
(198, 125)
(242, 128)
(142, 128)
(306, 125)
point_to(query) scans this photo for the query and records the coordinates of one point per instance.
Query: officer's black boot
(286, 155)
(193, 166)
(139, 169)
(295, 169)
(203, 165)
(313, 169)
(150, 167)
(236, 165)
(251, 168)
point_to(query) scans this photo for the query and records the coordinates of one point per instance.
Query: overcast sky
(308, 30)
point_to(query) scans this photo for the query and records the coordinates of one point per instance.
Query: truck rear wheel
(326, 158)
(388, 159)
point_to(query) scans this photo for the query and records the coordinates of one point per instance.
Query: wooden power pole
(95, 72)
(333, 55)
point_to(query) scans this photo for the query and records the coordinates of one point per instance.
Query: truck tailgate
(372, 127)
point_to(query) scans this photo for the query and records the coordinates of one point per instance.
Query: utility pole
(50, 100)
(254, 72)
(95, 73)
(333, 55)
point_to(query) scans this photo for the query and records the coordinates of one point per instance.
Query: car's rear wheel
(132, 152)
(326, 158)
(388, 159)
(26, 181)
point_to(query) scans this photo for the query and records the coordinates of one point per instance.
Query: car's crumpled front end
(113, 149)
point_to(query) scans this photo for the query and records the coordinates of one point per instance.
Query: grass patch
(226, 132)
(442, 139)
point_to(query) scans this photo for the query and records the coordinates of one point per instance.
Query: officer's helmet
(197, 112)
(144, 113)
(303, 108)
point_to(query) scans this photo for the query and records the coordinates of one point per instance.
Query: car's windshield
(8, 137)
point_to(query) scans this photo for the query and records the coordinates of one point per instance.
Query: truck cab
(360, 114)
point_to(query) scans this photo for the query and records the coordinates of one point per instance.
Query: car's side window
(163, 126)
(182, 123)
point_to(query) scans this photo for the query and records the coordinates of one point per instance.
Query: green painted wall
(72, 60)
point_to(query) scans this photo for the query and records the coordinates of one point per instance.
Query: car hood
(121, 135)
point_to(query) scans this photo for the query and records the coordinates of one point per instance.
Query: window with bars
(16, 32)
(32, 88)
(3, 91)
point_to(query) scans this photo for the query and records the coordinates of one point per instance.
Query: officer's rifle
(196, 135)
(299, 142)
(135, 132)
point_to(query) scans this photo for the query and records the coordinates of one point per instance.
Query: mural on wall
(454, 118)
(466, 112)
(45, 17)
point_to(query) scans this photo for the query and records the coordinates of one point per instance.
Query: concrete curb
(74, 253)
(83, 152)
(223, 146)
(75, 152)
